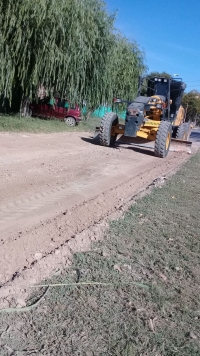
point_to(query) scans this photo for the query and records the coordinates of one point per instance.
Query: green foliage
(70, 45)
(191, 102)
(158, 74)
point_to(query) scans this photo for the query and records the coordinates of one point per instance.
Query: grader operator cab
(157, 117)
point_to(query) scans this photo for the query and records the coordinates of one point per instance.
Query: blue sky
(168, 31)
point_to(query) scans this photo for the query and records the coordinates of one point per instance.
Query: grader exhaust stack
(158, 119)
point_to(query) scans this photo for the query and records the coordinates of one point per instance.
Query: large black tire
(110, 119)
(163, 139)
(183, 132)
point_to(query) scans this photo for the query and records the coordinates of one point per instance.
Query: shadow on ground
(143, 150)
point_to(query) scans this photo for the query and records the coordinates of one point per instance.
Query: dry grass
(156, 243)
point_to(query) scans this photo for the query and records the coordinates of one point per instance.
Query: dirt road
(55, 186)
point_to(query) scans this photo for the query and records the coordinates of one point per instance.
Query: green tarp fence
(102, 110)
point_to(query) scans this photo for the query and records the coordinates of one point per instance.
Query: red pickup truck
(71, 114)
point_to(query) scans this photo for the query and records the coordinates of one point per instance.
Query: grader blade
(175, 145)
(180, 146)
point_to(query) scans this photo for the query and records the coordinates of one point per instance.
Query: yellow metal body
(149, 127)
(148, 130)
(180, 117)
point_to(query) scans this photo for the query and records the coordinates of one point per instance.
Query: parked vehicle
(59, 110)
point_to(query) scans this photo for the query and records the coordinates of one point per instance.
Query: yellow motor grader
(157, 117)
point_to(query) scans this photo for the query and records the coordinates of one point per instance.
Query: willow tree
(70, 45)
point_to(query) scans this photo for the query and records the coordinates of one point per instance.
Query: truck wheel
(183, 132)
(108, 121)
(163, 139)
(70, 121)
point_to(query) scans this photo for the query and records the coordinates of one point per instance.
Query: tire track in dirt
(51, 234)
(35, 225)
(58, 256)
(40, 201)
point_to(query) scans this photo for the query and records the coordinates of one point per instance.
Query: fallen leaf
(38, 255)
(9, 349)
(177, 268)
(163, 276)
(117, 268)
(193, 336)
(127, 266)
(105, 254)
(21, 303)
(152, 324)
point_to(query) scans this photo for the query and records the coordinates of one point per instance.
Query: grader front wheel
(163, 139)
(108, 121)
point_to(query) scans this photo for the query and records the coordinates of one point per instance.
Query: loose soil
(55, 186)
(155, 244)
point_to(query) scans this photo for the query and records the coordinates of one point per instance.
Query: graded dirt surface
(55, 186)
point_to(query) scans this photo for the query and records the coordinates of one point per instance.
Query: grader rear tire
(183, 132)
(108, 121)
(163, 139)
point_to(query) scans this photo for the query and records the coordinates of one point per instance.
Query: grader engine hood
(133, 122)
(135, 116)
